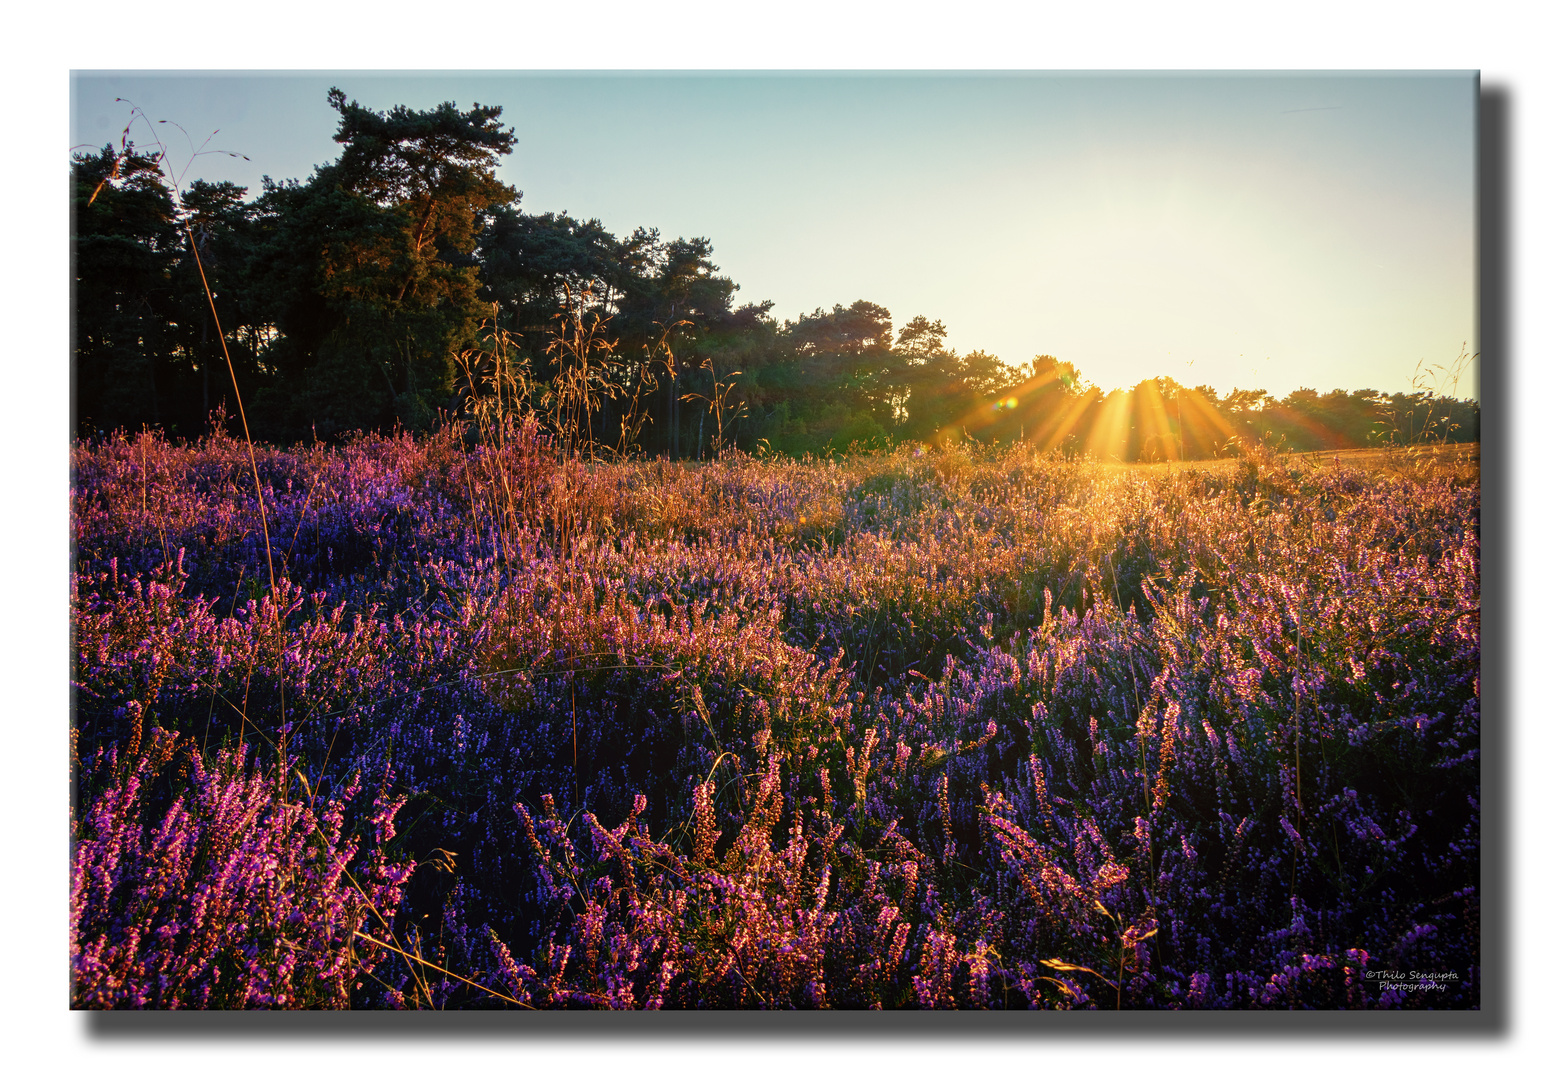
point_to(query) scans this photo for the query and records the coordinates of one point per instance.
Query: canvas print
(774, 541)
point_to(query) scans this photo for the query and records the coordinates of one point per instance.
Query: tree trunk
(204, 360)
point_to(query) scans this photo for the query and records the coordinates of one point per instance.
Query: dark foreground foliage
(933, 729)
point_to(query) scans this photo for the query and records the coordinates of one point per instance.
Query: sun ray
(1156, 436)
(1061, 422)
(1111, 431)
(1203, 419)
(988, 413)
(1314, 434)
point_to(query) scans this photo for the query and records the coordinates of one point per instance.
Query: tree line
(387, 288)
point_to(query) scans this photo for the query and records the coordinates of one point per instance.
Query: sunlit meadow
(942, 727)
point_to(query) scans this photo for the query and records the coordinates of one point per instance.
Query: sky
(1254, 231)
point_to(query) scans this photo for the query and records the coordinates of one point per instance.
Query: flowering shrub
(231, 897)
(941, 730)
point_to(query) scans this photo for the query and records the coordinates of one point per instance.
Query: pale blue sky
(1253, 231)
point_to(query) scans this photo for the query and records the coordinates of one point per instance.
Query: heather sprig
(193, 887)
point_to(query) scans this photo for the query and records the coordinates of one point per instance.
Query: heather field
(485, 725)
